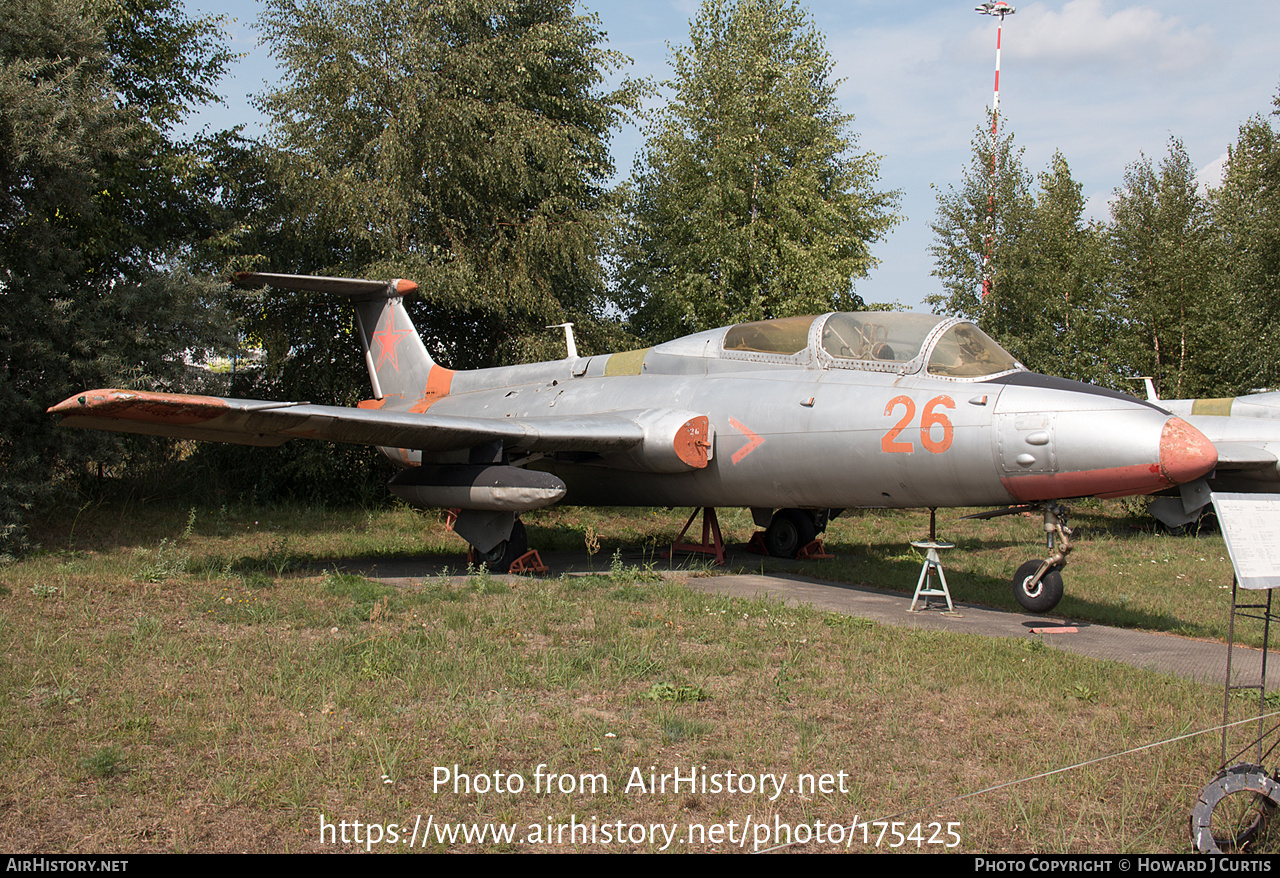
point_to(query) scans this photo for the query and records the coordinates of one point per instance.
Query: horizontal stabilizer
(343, 286)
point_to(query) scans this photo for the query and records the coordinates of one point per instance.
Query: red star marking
(388, 340)
(755, 441)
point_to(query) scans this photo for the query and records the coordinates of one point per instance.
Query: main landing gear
(1037, 586)
(500, 558)
(510, 555)
(790, 533)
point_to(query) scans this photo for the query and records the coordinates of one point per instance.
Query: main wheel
(500, 558)
(1044, 595)
(789, 532)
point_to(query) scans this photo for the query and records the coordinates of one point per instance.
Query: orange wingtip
(137, 405)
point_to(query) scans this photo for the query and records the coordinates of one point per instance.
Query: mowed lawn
(207, 680)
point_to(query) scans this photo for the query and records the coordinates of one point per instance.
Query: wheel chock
(814, 552)
(529, 562)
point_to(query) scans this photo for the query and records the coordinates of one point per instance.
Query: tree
(1163, 264)
(1045, 302)
(987, 209)
(1061, 267)
(460, 143)
(1246, 213)
(95, 214)
(750, 201)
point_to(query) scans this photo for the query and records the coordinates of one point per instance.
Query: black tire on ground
(1207, 523)
(1046, 593)
(500, 558)
(789, 532)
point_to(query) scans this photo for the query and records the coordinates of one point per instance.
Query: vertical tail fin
(402, 372)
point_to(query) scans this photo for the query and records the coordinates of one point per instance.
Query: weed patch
(104, 763)
(670, 692)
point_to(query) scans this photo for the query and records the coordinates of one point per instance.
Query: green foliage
(1163, 273)
(1246, 212)
(991, 204)
(749, 202)
(96, 214)
(460, 143)
(1045, 300)
(1180, 285)
(107, 762)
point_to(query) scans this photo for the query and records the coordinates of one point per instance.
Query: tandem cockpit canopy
(882, 341)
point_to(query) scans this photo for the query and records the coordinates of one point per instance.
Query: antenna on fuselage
(569, 343)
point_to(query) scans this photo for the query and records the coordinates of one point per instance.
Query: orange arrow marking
(754, 441)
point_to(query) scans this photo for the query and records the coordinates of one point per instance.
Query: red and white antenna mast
(999, 9)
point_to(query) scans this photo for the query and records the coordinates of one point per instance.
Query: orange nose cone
(1185, 453)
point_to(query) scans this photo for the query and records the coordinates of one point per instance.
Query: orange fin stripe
(439, 380)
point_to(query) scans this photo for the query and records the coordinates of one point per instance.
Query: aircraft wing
(653, 440)
(260, 422)
(1244, 455)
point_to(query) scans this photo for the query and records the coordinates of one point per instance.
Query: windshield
(965, 351)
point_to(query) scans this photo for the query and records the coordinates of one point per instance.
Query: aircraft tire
(1048, 590)
(789, 532)
(1206, 523)
(500, 558)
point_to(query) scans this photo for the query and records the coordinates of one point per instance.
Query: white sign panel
(1251, 528)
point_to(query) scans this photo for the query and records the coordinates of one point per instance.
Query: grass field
(200, 680)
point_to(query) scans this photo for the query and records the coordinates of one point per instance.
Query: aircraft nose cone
(1185, 453)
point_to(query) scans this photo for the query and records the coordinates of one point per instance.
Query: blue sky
(1104, 81)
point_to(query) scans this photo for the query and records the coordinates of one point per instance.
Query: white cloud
(1210, 176)
(1085, 31)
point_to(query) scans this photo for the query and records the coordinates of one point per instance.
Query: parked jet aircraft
(796, 418)
(1246, 432)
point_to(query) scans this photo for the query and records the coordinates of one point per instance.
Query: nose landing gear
(1037, 586)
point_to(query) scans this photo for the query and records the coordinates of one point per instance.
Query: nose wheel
(1037, 586)
(1036, 591)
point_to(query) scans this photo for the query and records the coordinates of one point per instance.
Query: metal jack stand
(1233, 810)
(932, 562)
(711, 543)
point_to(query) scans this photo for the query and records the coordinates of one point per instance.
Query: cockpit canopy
(882, 341)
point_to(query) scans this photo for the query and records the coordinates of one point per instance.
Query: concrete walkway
(1201, 660)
